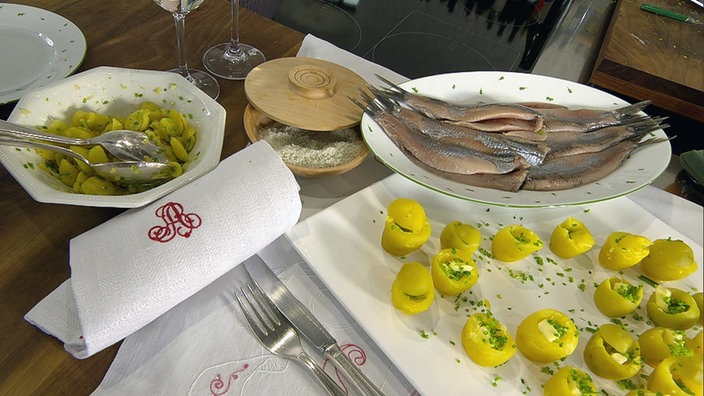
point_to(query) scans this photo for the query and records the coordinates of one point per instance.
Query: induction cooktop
(417, 38)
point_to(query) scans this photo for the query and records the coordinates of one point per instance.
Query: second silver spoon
(123, 173)
(123, 144)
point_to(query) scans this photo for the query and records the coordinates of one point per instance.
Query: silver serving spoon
(123, 144)
(123, 173)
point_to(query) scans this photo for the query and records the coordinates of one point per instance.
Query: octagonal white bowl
(117, 92)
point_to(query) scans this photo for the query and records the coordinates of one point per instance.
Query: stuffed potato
(406, 228)
(460, 236)
(659, 343)
(486, 341)
(696, 343)
(697, 297)
(570, 238)
(453, 271)
(677, 376)
(546, 336)
(612, 353)
(672, 308)
(623, 250)
(616, 297)
(570, 380)
(412, 291)
(668, 260)
(515, 242)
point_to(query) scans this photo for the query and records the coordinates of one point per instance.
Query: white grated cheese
(312, 149)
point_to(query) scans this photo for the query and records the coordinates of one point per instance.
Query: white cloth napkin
(314, 47)
(133, 268)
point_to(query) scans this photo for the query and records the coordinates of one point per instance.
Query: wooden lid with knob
(306, 93)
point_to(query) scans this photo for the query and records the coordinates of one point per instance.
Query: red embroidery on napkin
(356, 355)
(218, 386)
(176, 223)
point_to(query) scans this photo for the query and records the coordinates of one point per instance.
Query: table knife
(307, 325)
(670, 14)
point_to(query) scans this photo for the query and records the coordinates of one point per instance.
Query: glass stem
(180, 22)
(234, 51)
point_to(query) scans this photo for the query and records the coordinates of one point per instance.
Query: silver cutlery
(307, 325)
(123, 144)
(277, 334)
(124, 173)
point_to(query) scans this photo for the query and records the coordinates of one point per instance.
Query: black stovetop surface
(417, 38)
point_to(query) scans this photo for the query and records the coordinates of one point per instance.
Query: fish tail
(651, 140)
(370, 106)
(630, 112)
(387, 94)
(392, 86)
(385, 102)
(357, 102)
(641, 127)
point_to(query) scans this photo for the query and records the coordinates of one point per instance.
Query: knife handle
(664, 12)
(342, 361)
(325, 380)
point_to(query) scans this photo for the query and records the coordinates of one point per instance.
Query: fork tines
(256, 304)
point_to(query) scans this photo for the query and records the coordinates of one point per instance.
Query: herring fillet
(565, 143)
(491, 143)
(447, 157)
(575, 170)
(490, 117)
(585, 120)
(511, 182)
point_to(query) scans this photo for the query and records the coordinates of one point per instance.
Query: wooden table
(34, 237)
(647, 56)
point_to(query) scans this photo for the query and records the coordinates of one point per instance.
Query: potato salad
(167, 128)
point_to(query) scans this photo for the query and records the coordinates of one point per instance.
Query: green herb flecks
(629, 292)
(457, 269)
(675, 305)
(493, 331)
(560, 330)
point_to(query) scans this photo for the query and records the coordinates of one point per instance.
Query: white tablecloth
(203, 347)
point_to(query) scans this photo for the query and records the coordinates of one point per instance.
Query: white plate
(644, 165)
(342, 244)
(37, 47)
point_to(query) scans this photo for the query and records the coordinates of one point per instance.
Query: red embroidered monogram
(219, 387)
(176, 222)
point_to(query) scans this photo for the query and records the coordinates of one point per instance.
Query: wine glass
(233, 60)
(179, 9)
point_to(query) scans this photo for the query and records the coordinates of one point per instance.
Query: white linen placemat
(203, 346)
(133, 268)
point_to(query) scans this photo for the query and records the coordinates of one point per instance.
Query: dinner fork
(277, 334)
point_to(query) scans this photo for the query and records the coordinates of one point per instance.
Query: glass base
(223, 63)
(204, 81)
